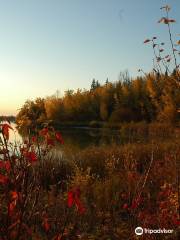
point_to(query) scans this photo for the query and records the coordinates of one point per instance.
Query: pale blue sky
(49, 45)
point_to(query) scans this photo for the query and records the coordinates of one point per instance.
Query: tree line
(7, 118)
(152, 97)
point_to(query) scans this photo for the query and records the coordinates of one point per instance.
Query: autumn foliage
(99, 192)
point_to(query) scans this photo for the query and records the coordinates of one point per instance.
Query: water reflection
(80, 137)
(84, 137)
(14, 136)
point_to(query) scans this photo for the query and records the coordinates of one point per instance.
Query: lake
(80, 137)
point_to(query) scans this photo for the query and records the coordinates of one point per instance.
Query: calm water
(80, 137)
(14, 135)
(84, 137)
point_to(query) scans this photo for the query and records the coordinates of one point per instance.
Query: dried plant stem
(156, 57)
(178, 182)
(171, 41)
(148, 171)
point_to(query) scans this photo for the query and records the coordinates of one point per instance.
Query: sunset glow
(58, 45)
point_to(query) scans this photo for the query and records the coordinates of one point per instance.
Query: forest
(153, 97)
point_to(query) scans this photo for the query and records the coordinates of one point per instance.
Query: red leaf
(31, 156)
(176, 221)
(59, 137)
(136, 202)
(70, 199)
(125, 206)
(5, 130)
(73, 199)
(14, 195)
(146, 41)
(81, 209)
(50, 142)
(5, 165)
(44, 131)
(3, 179)
(11, 208)
(1, 164)
(77, 192)
(34, 139)
(166, 20)
(46, 224)
(172, 20)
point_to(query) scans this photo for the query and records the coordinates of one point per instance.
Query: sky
(50, 45)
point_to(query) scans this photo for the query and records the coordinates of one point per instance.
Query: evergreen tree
(93, 84)
(97, 84)
(107, 81)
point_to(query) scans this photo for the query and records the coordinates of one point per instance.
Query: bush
(96, 193)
